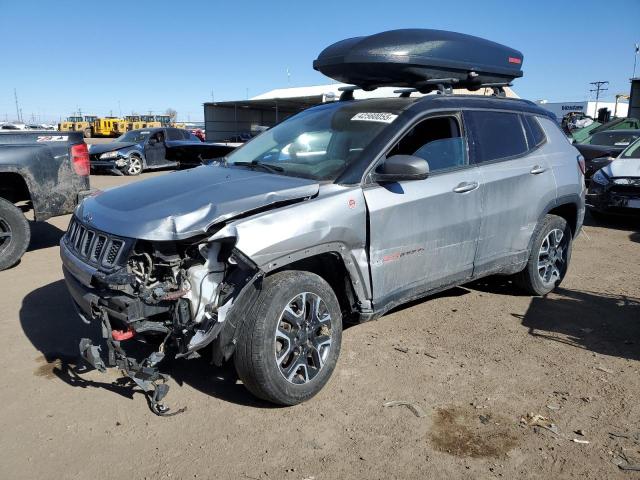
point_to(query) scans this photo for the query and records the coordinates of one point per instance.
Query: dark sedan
(602, 147)
(153, 148)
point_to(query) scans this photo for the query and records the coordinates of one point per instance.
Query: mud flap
(145, 374)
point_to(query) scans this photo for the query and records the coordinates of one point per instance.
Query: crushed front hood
(98, 148)
(183, 204)
(623, 167)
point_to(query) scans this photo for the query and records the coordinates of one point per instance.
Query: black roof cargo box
(414, 57)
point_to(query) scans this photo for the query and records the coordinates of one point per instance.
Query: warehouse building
(589, 108)
(238, 120)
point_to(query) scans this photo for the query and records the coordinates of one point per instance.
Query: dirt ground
(474, 359)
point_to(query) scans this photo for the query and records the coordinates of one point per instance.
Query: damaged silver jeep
(339, 213)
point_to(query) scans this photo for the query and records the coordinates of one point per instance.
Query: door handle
(466, 187)
(537, 169)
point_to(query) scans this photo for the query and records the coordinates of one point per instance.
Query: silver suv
(339, 213)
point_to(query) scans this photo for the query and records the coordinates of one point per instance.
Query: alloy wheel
(303, 338)
(135, 166)
(552, 257)
(5, 235)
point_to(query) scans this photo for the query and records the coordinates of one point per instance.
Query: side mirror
(401, 167)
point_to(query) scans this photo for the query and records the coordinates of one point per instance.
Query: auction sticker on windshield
(382, 117)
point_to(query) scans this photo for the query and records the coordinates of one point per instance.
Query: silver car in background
(615, 188)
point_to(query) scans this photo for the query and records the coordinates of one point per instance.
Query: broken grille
(96, 247)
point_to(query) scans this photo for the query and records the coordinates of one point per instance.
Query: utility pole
(635, 59)
(213, 99)
(599, 88)
(18, 111)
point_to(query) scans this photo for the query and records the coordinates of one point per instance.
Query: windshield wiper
(255, 163)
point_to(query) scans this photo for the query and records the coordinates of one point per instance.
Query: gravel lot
(475, 359)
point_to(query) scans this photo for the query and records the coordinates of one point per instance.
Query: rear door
(518, 181)
(423, 233)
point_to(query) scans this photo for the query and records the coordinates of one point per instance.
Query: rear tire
(549, 258)
(14, 234)
(286, 353)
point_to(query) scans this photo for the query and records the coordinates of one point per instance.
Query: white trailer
(560, 109)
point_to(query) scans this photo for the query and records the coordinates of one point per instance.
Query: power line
(599, 88)
(18, 110)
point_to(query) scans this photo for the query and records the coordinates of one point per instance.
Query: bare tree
(172, 113)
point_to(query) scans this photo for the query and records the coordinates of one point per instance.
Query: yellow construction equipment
(136, 122)
(78, 124)
(165, 121)
(109, 127)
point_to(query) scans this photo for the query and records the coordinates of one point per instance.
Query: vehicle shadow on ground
(498, 284)
(629, 223)
(49, 321)
(603, 323)
(44, 235)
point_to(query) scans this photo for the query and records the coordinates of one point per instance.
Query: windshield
(320, 142)
(134, 136)
(614, 139)
(632, 151)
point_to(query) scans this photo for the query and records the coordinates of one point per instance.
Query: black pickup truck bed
(43, 171)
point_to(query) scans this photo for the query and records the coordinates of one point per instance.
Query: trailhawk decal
(53, 138)
(381, 117)
(392, 255)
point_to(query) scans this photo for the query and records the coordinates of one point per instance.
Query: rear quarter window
(174, 134)
(497, 135)
(534, 132)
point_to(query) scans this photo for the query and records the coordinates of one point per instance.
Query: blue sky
(151, 55)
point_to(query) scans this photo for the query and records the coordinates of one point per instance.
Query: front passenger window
(438, 141)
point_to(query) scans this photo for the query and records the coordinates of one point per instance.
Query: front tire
(290, 340)
(134, 167)
(549, 258)
(14, 234)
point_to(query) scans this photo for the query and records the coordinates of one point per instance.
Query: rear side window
(174, 134)
(498, 135)
(534, 132)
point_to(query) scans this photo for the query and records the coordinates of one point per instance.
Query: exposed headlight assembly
(624, 181)
(107, 155)
(600, 177)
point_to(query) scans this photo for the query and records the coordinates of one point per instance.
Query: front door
(155, 150)
(423, 233)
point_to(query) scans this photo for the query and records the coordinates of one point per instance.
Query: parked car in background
(582, 134)
(198, 132)
(615, 188)
(153, 148)
(601, 147)
(13, 126)
(41, 172)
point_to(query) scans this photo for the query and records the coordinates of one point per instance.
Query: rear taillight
(80, 159)
(581, 164)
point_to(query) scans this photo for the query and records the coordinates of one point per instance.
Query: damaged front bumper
(614, 198)
(162, 318)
